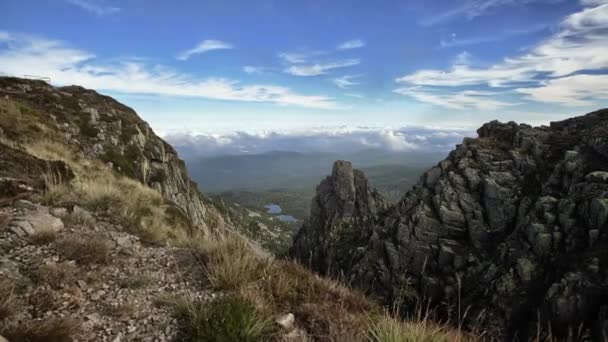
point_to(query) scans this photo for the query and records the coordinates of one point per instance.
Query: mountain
(104, 237)
(101, 128)
(507, 235)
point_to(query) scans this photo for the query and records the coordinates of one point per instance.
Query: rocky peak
(343, 202)
(102, 128)
(510, 226)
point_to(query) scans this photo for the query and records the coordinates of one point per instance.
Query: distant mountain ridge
(296, 170)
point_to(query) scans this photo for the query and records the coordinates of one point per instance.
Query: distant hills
(301, 171)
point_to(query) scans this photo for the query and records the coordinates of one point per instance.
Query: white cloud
(299, 57)
(593, 2)
(204, 46)
(65, 66)
(328, 139)
(319, 68)
(467, 99)
(576, 90)
(95, 7)
(351, 44)
(579, 46)
(345, 81)
(253, 69)
(5, 36)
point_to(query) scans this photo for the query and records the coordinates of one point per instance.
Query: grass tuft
(50, 330)
(229, 264)
(230, 318)
(57, 275)
(88, 249)
(9, 301)
(43, 236)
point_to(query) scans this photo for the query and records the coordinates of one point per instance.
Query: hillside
(104, 237)
(507, 235)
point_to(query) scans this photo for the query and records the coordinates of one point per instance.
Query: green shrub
(228, 319)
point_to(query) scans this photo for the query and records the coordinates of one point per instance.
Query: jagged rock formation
(511, 227)
(340, 215)
(105, 129)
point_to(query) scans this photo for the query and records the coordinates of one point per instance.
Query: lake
(273, 208)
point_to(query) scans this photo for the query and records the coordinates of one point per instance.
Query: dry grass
(140, 209)
(49, 330)
(57, 275)
(228, 263)
(136, 281)
(422, 329)
(229, 318)
(43, 236)
(321, 306)
(9, 301)
(327, 310)
(86, 249)
(79, 217)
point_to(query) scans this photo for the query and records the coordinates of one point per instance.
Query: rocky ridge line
(510, 227)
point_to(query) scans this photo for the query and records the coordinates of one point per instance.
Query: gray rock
(287, 321)
(597, 177)
(501, 217)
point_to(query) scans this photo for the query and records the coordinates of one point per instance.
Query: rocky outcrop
(102, 128)
(511, 227)
(339, 221)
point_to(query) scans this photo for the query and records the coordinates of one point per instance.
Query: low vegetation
(9, 301)
(43, 236)
(56, 275)
(59, 329)
(87, 249)
(138, 208)
(230, 318)
(324, 308)
(390, 329)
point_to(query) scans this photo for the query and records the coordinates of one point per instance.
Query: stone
(287, 321)
(59, 212)
(21, 228)
(432, 176)
(597, 177)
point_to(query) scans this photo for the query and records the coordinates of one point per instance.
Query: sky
(224, 70)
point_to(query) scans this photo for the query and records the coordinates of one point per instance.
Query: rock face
(511, 227)
(339, 220)
(102, 128)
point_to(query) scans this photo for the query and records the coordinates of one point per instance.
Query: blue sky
(215, 67)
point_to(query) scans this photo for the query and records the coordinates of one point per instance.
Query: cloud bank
(340, 140)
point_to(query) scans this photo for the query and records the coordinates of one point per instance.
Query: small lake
(273, 208)
(276, 209)
(287, 218)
